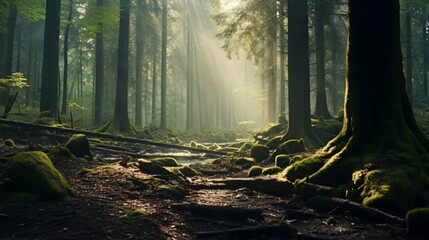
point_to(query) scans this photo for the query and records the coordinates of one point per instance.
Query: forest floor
(115, 202)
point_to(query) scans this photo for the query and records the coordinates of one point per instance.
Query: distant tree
(282, 44)
(50, 67)
(65, 56)
(380, 144)
(139, 62)
(99, 71)
(120, 121)
(321, 11)
(299, 75)
(163, 120)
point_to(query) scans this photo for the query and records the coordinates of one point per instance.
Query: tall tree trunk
(409, 57)
(50, 67)
(18, 49)
(31, 65)
(154, 83)
(282, 42)
(380, 139)
(425, 52)
(66, 59)
(319, 34)
(272, 65)
(139, 64)
(163, 119)
(189, 72)
(99, 72)
(11, 26)
(299, 75)
(120, 121)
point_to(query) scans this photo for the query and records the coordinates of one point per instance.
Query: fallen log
(218, 211)
(274, 186)
(109, 136)
(279, 229)
(355, 209)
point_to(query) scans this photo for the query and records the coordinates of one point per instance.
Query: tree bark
(163, 120)
(299, 75)
(50, 67)
(409, 56)
(425, 52)
(319, 34)
(139, 64)
(66, 59)
(282, 43)
(99, 72)
(380, 139)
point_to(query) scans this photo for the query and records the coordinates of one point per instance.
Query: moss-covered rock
(244, 161)
(292, 146)
(255, 171)
(30, 177)
(175, 191)
(418, 222)
(185, 171)
(9, 143)
(165, 162)
(259, 152)
(78, 144)
(302, 168)
(271, 170)
(296, 158)
(274, 143)
(282, 161)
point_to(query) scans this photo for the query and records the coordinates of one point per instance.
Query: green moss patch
(388, 189)
(255, 171)
(259, 152)
(302, 168)
(282, 161)
(175, 191)
(9, 143)
(246, 147)
(31, 176)
(292, 146)
(185, 171)
(271, 170)
(418, 222)
(78, 144)
(165, 162)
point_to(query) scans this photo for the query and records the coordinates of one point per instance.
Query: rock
(282, 161)
(78, 144)
(271, 170)
(165, 162)
(259, 152)
(417, 222)
(30, 177)
(254, 171)
(292, 146)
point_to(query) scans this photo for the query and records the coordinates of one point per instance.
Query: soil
(117, 202)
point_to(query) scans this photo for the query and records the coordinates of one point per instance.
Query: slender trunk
(154, 83)
(30, 66)
(65, 56)
(409, 57)
(321, 101)
(99, 72)
(18, 49)
(139, 63)
(189, 73)
(282, 32)
(163, 124)
(425, 52)
(11, 25)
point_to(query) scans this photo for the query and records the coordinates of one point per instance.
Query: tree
(299, 75)
(163, 125)
(50, 67)
(282, 43)
(120, 121)
(320, 12)
(139, 63)
(99, 71)
(380, 146)
(65, 56)
(409, 57)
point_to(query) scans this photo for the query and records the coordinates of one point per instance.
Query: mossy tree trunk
(120, 121)
(299, 75)
(380, 140)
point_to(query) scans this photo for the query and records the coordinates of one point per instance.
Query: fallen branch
(355, 208)
(218, 211)
(274, 186)
(279, 229)
(109, 136)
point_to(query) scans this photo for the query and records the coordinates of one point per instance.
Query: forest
(214, 119)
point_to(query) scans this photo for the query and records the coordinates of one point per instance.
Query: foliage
(16, 80)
